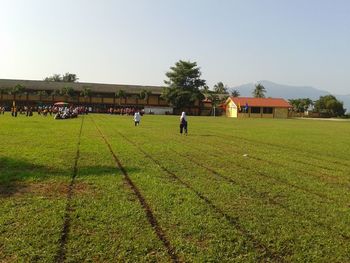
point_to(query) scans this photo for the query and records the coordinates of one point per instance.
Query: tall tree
(41, 94)
(145, 94)
(330, 106)
(183, 84)
(69, 77)
(235, 93)
(54, 77)
(16, 90)
(220, 88)
(120, 94)
(301, 105)
(259, 91)
(85, 92)
(67, 92)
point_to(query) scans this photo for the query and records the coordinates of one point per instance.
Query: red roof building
(247, 107)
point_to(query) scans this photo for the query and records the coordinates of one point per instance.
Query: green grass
(232, 190)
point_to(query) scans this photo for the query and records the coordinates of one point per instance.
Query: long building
(101, 98)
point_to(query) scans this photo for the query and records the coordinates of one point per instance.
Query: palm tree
(259, 91)
(215, 101)
(120, 94)
(235, 93)
(67, 92)
(41, 93)
(85, 92)
(3, 91)
(69, 77)
(16, 90)
(145, 94)
(220, 88)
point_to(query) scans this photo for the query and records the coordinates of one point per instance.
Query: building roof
(78, 86)
(260, 102)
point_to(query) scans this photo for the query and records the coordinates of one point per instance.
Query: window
(268, 110)
(255, 110)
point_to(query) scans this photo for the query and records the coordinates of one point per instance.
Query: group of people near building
(73, 112)
(125, 111)
(69, 112)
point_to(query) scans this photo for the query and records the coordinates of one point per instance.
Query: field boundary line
(148, 210)
(61, 253)
(232, 220)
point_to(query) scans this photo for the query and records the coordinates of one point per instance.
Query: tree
(54, 77)
(85, 92)
(220, 88)
(259, 91)
(120, 94)
(330, 106)
(183, 84)
(145, 94)
(301, 105)
(68, 77)
(67, 92)
(215, 101)
(235, 93)
(16, 90)
(42, 93)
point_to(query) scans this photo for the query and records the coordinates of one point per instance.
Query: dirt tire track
(61, 253)
(280, 147)
(324, 197)
(265, 251)
(261, 196)
(148, 210)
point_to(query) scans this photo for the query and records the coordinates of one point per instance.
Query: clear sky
(297, 42)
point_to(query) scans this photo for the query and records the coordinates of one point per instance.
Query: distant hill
(289, 92)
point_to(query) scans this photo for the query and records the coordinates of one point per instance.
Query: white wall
(158, 110)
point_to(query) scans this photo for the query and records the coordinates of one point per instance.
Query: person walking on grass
(137, 118)
(183, 123)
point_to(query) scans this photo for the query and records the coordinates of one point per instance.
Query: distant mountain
(289, 92)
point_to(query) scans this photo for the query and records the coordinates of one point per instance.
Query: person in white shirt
(183, 123)
(137, 118)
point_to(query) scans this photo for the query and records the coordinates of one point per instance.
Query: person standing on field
(137, 118)
(183, 123)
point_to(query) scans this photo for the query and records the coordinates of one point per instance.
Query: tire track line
(268, 200)
(266, 252)
(295, 150)
(324, 197)
(61, 253)
(148, 210)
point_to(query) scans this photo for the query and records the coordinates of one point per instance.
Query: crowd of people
(67, 112)
(125, 111)
(59, 112)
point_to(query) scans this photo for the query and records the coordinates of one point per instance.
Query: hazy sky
(297, 42)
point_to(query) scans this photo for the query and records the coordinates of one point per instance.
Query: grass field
(99, 189)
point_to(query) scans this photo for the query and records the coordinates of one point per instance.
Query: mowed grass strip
(297, 218)
(285, 200)
(198, 230)
(36, 159)
(107, 222)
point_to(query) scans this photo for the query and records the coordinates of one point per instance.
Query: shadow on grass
(16, 174)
